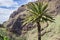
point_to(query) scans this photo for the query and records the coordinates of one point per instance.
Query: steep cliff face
(14, 23)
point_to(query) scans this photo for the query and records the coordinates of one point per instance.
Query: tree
(39, 13)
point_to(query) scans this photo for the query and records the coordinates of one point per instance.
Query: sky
(8, 6)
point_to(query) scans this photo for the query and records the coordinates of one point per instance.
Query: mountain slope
(14, 23)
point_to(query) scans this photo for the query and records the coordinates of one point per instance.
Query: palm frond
(32, 7)
(29, 19)
(33, 13)
(50, 17)
(44, 7)
(46, 19)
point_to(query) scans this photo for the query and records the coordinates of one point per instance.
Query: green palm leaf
(44, 7)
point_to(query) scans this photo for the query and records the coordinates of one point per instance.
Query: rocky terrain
(14, 24)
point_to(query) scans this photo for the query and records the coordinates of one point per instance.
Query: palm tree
(39, 14)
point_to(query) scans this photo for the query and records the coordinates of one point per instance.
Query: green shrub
(6, 38)
(3, 37)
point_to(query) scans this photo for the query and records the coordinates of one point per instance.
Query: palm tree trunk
(39, 30)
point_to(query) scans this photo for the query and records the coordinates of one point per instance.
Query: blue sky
(8, 6)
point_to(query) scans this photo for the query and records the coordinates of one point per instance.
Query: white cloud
(3, 11)
(31, 0)
(4, 14)
(7, 3)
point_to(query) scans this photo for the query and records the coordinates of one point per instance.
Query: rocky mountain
(14, 24)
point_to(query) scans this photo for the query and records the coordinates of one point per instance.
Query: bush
(3, 37)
